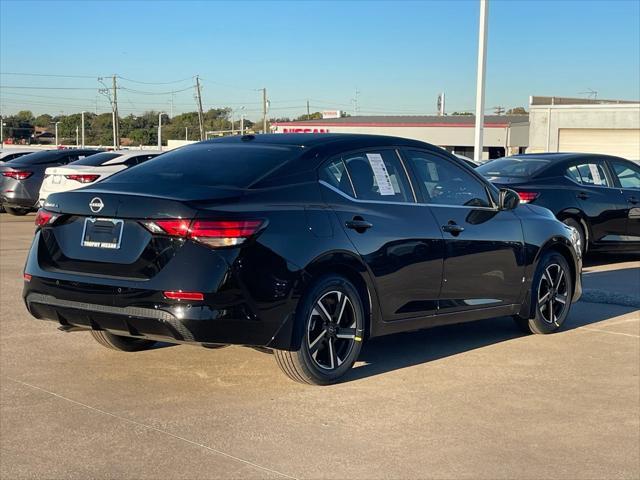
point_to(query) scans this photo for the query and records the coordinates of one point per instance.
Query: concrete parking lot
(468, 401)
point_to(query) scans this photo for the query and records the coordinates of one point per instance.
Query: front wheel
(330, 322)
(552, 290)
(123, 344)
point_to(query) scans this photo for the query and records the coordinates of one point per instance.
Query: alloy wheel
(553, 293)
(331, 330)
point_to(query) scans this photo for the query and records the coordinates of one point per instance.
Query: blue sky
(398, 55)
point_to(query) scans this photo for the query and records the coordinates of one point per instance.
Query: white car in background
(91, 169)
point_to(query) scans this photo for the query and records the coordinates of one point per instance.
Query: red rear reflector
(44, 217)
(526, 197)
(83, 178)
(18, 175)
(27, 277)
(180, 295)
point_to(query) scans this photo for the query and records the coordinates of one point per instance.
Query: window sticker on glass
(597, 180)
(381, 174)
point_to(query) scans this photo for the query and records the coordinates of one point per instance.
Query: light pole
(56, 125)
(82, 123)
(231, 117)
(76, 136)
(242, 120)
(482, 63)
(1, 131)
(186, 134)
(160, 130)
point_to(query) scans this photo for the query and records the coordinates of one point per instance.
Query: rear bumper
(21, 202)
(147, 314)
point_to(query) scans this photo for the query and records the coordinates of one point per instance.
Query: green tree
(43, 121)
(517, 111)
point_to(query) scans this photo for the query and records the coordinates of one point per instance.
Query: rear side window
(513, 167)
(97, 159)
(40, 158)
(628, 174)
(593, 174)
(378, 175)
(212, 164)
(335, 174)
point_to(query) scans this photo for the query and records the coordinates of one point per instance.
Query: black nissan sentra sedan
(598, 195)
(302, 245)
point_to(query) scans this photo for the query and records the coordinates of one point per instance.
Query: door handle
(583, 195)
(453, 228)
(633, 200)
(358, 224)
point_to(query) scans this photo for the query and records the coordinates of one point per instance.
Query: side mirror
(508, 199)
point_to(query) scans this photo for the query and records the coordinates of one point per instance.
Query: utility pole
(264, 110)
(242, 124)
(498, 110)
(116, 118)
(200, 114)
(1, 131)
(82, 123)
(308, 112)
(482, 63)
(171, 106)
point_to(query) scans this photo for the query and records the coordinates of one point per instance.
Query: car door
(398, 240)
(602, 202)
(484, 248)
(627, 176)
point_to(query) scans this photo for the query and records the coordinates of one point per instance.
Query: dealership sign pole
(482, 63)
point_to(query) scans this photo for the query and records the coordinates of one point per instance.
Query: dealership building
(584, 125)
(503, 134)
(554, 124)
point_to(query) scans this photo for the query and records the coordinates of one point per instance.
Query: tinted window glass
(334, 173)
(592, 174)
(39, 158)
(627, 173)
(443, 183)
(574, 174)
(378, 176)
(97, 159)
(215, 164)
(513, 167)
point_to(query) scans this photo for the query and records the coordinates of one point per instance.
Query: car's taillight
(18, 174)
(214, 233)
(224, 233)
(82, 178)
(526, 197)
(44, 217)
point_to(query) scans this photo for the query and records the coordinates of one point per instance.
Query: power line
(143, 92)
(154, 83)
(20, 87)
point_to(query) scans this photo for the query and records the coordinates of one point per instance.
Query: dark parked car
(598, 195)
(21, 178)
(12, 154)
(300, 244)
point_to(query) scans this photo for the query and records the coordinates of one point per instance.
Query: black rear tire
(329, 329)
(551, 294)
(18, 212)
(123, 344)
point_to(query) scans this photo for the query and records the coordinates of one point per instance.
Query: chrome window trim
(353, 188)
(382, 202)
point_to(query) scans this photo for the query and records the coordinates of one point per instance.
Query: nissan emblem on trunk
(96, 204)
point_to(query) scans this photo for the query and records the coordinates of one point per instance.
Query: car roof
(561, 156)
(319, 139)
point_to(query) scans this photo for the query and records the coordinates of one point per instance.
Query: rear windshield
(513, 167)
(234, 165)
(37, 158)
(97, 159)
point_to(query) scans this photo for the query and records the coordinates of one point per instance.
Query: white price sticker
(595, 173)
(381, 174)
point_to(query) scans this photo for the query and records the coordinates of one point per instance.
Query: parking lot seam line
(150, 427)
(607, 331)
(620, 322)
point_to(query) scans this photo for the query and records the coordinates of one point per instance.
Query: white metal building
(503, 134)
(583, 125)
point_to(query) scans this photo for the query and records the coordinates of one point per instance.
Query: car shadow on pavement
(398, 351)
(597, 259)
